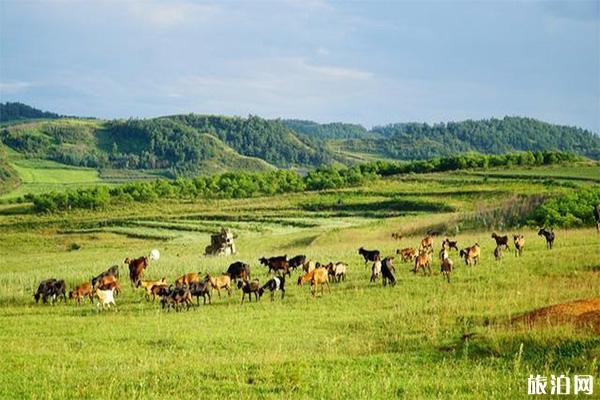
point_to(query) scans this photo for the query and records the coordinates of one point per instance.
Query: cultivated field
(423, 338)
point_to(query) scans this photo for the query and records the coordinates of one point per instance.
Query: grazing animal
(203, 289)
(369, 255)
(316, 277)
(188, 279)
(549, 235)
(471, 254)
(310, 265)
(81, 291)
(375, 271)
(337, 271)
(43, 289)
(498, 253)
(275, 264)
(297, 261)
(249, 288)
(149, 286)
(446, 266)
(51, 289)
(387, 271)
(114, 271)
(426, 243)
(220, 282)
(423, 261)
(176, 297)
(597, 217)
(519, 241)
(397, 236)
(450, 244)
(109, 282)
(239, 270)
(501, 240)
(273, 284)
(137, 267)
(105, 298)
(407, 254)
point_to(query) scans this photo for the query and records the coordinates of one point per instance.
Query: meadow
(422, 338)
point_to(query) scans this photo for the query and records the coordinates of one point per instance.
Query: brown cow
(136, 269)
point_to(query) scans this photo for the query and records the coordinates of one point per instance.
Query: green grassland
(423, 338)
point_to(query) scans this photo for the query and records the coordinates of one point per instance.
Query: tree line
(247, 184)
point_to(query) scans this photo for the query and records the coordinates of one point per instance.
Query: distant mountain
(409, 141)
(19, 111)
(333, 130)
(194, 144)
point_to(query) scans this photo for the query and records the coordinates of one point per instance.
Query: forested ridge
(408, 141)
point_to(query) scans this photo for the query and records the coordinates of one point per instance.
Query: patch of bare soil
(583, 313)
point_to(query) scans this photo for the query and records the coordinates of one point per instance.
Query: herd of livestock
(105, 286)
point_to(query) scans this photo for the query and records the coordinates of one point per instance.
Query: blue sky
(367, 62)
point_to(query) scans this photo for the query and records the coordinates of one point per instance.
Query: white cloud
(14, 87)
(171, 13)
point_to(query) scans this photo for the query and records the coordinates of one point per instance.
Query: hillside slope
(493, 136)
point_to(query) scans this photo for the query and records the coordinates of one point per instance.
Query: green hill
(334, 130)
(409, 141)
(19, 111)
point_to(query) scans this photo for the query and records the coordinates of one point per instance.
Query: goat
(316, 277)
(397, 236)
(81, 291)
(450, 244)
(519, 241)
(248, 288)
(220, 282)
(471, 254)
(105, 298)
(188, 279)
(297, 261)
(273, 284)
(549, 235)
(369, 255)
(426, 243)
(501, 240)
(407, 254)
(375, 271)
(149, 286)
(203, 289)
(109, 282)
(137, 267)
(114, 271)
(239, 270)
(498, 253)
(176, 297)
(275, 264)
(310, 265)
(387, 271)
(446, 265)
(423, 261)
(337, 271)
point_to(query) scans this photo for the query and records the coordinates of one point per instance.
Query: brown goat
(220, 282)
(81, 291)
(519, 241)
(426, 243)
(423, 261)
(136, 269)
(316, 277)
(407, 254)
(471, 254)
(501, 240)
(109, 282)
(188, 279)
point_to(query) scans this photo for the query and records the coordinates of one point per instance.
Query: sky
(372, 63)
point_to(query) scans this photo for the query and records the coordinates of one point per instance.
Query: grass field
(423, 338)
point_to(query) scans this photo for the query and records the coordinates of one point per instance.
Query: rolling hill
(194, 144)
